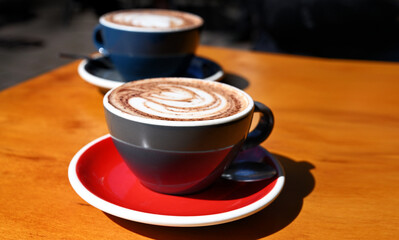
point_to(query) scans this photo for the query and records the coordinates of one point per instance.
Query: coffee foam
(178, 99)
(152, 20)
(147, 20)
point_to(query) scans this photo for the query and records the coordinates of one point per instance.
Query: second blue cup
(146, 43)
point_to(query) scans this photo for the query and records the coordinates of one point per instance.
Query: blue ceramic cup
(148, 43)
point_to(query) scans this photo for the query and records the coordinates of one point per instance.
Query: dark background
(33, 32)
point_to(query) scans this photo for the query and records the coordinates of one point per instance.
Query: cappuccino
(178, 135)
(151, 20)
(179, 99)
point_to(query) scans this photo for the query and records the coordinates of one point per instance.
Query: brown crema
(178, 99)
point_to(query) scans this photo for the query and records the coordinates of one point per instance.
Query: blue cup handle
(262, 130)
(98, 39)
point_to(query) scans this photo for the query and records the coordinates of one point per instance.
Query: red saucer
(100, 177)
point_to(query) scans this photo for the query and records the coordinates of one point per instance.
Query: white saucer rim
(109, 84)
(94, 80)
(169, 220)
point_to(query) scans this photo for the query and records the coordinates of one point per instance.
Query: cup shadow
(235, 80)
(299, 183)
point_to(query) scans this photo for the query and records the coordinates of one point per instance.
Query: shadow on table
(235, 80)
(279, 214)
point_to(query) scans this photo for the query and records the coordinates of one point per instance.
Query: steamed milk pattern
(178, 100)
(154, 19)
(147, 20)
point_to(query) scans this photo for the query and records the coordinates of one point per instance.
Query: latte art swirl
(152, 19)
(147, 20)
(177, 100)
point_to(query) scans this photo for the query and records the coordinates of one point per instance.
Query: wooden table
(336, 134)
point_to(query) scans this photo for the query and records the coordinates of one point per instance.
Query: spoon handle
(101, 62)
(73, 56)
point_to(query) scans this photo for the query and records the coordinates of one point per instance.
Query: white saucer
(200, 67)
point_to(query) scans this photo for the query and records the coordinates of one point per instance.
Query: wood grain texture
(336, 134)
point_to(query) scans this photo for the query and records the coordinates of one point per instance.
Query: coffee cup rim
(106, 23)
(191, 123)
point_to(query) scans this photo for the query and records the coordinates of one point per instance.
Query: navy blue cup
(139, 53)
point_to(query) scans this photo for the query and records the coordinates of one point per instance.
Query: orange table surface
(336, 134)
